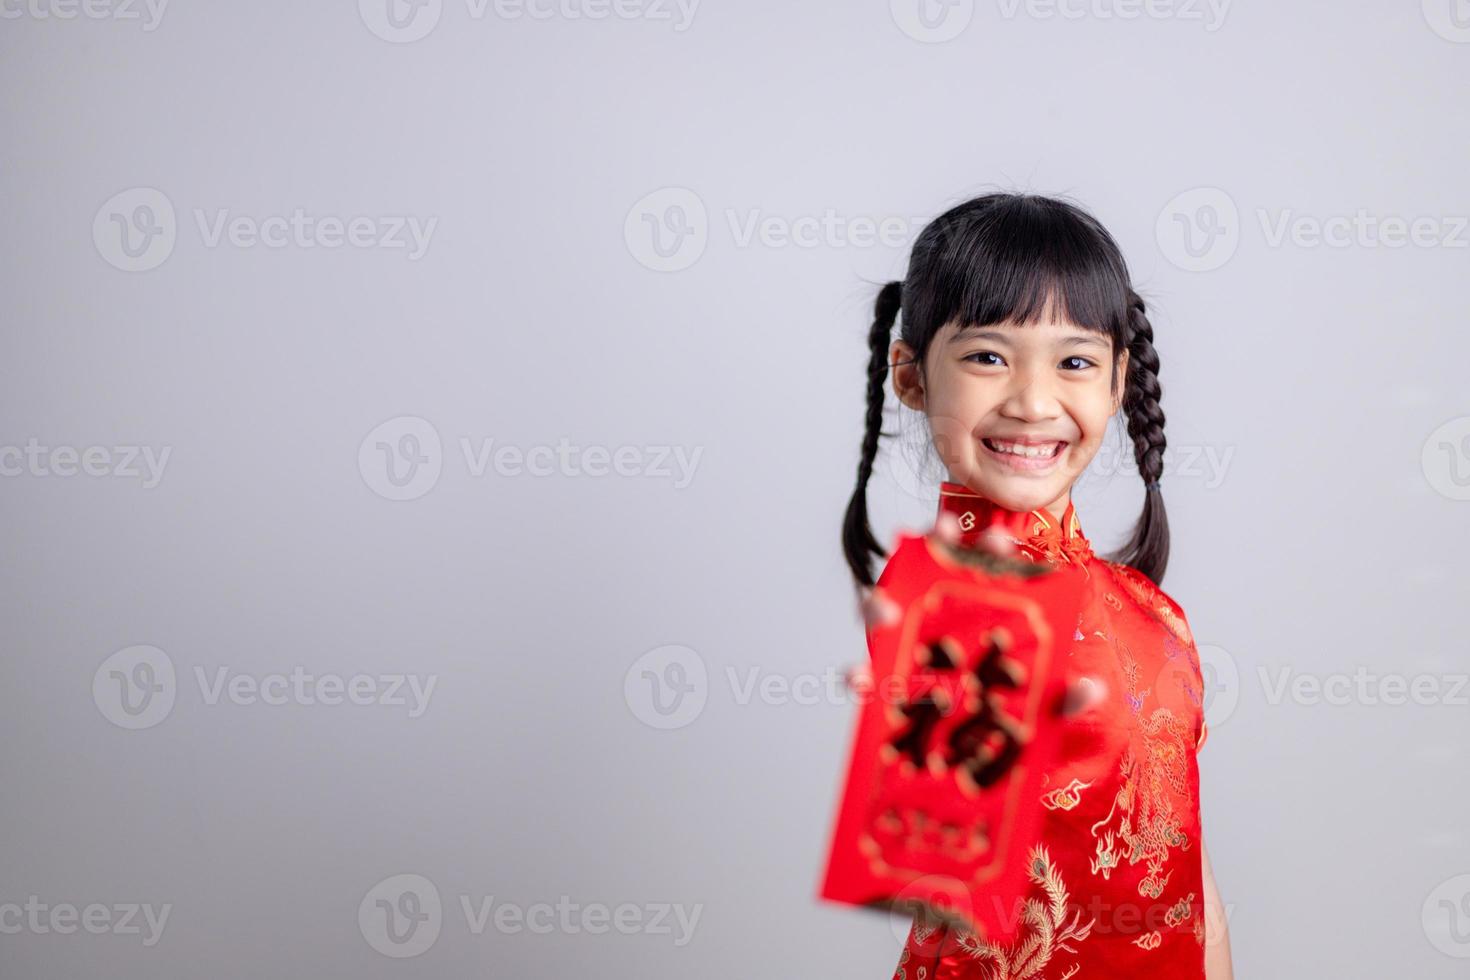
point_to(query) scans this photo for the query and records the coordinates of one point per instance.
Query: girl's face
(1045, 390)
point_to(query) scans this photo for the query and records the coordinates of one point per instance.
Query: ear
(908, 379)
(1121, 386)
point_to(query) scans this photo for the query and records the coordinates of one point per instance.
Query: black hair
(1004, 257)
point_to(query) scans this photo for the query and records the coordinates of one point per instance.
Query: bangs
(1024, 260)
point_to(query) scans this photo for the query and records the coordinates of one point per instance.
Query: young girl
(1020, 337)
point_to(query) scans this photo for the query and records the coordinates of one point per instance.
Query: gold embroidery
(1179, 912)
(1107, 858)
(1065, 798)
(1050, 932)
(1147, 823)
(1149, 940)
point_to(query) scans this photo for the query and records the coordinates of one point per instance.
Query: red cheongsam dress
(1116, 890)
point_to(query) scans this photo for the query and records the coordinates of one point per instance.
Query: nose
(1031, 397)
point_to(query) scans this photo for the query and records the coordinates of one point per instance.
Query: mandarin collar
(1038, 534)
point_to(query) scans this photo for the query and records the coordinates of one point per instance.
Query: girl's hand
(1083, 693)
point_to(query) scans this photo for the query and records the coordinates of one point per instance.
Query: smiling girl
(1020, 337)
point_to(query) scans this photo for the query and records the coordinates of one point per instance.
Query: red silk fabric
(1122, 894)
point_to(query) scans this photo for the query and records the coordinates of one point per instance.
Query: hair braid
(858, 543)
(1148, 548)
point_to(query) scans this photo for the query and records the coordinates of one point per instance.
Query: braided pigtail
(1148, 548)
(858, 543)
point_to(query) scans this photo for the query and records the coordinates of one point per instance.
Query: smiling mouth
(1025, 450)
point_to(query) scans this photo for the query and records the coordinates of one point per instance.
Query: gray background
(1327, 382)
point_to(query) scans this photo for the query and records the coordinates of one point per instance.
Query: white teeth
(1030, 452)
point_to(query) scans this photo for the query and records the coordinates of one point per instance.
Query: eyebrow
(984, 333)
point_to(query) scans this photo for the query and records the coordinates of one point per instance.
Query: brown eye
(1083, 363)
(984, 353)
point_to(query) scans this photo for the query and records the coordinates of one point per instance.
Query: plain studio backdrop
(426, 430)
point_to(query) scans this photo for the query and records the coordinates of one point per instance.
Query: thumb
(1083, 694)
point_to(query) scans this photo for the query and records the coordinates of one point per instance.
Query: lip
(1022, 464)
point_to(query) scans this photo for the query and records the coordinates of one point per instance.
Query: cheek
(1092, 415)
(954, 410)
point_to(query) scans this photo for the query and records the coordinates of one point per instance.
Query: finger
(947, 528)
(1083, 694)
(996, 541)
(879, 610)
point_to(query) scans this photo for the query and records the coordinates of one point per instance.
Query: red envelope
(942, 797)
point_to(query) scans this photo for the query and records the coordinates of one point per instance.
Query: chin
(1015, 492)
